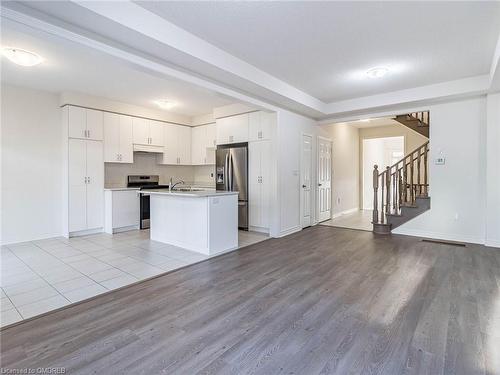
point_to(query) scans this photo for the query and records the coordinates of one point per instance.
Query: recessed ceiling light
(21, 57)
(164, 104)
(377, 72)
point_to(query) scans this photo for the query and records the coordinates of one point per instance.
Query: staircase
(401, 190)
(417, 121)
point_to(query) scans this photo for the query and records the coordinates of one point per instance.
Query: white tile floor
(44, 275)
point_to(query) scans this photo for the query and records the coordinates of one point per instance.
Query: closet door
(77, 175)
(95, 185)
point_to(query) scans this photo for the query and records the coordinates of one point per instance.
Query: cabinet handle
(260, 135)
(88, 179)
(88, 132)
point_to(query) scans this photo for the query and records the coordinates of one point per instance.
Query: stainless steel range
(144, 182)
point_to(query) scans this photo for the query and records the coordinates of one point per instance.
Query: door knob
(304, 186)
(319, 184)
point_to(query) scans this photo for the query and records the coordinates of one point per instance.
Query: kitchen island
(205, 221)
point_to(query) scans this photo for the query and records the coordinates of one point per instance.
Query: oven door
(144, 211)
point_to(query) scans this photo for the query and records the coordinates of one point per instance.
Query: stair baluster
(400, 186)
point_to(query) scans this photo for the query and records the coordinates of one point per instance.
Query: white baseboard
(86, 232)
(439, 236)
(43, 237)
(492, 243)
(259, 229)
(345, 212)
(125, 229)
(289, 231)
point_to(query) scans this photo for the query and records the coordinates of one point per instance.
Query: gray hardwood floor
(325, 300)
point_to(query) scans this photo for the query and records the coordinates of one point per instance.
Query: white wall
(290, 129)
(458, 188)
(31, 149)
(345, 167)
(493, 171)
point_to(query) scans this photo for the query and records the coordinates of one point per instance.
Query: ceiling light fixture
(164, 104)
(21, 57)
(377, 72)
(365, 120)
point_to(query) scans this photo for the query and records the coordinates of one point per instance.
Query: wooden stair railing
(398, 186)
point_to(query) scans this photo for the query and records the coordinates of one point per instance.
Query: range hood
(148, 148)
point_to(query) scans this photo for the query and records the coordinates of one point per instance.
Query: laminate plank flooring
(322, 301)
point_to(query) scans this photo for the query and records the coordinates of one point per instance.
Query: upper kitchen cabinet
(118, 138)
(260, 125)
(147, 132)
(177, 145)
(233, 129)
(85, 123)
(203, 145)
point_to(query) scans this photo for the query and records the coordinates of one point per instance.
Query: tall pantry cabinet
(83, 157)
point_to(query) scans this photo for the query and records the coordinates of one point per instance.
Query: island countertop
(192, 193)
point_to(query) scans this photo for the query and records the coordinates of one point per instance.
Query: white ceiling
(69, 66)
(324, 48)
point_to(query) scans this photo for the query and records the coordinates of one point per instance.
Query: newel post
(375, 194)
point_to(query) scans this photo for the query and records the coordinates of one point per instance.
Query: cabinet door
(170, 144)
(77, 122)
(125, 208)
(95, 185)
(211, 136)
(223, 135)
(265, 182)
(254, 186)
(111, 138)
(126, 139)
(254, 126)
(77, 177)
(239, 128)
(94, 125)
(198, 153)
(140, 131)
(156, 133)
(184, 149)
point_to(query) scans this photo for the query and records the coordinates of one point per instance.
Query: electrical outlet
(440, 160)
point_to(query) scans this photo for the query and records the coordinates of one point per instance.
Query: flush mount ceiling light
(378, 72)
(21, 57)
(164, 104)
(365, 120)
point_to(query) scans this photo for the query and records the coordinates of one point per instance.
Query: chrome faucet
(171, 185)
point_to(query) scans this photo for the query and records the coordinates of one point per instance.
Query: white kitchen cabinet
(147, 132)
(233, 129)
(203, 145)
(121, 210)
(177, 145)
(259, 185)
(260, 125)
(118, 138)
(86, 182)
(85, 123)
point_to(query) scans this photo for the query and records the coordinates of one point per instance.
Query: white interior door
(77, 177)
(324, 179)
(306, 177)
(95, 185)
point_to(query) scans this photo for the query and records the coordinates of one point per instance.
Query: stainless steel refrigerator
(231, 173)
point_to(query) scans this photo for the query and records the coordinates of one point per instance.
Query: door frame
(316, 191)
(313, 183)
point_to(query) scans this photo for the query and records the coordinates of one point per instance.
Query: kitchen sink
(186, 189)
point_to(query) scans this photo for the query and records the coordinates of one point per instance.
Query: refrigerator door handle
(230, 172)
(226, 172)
